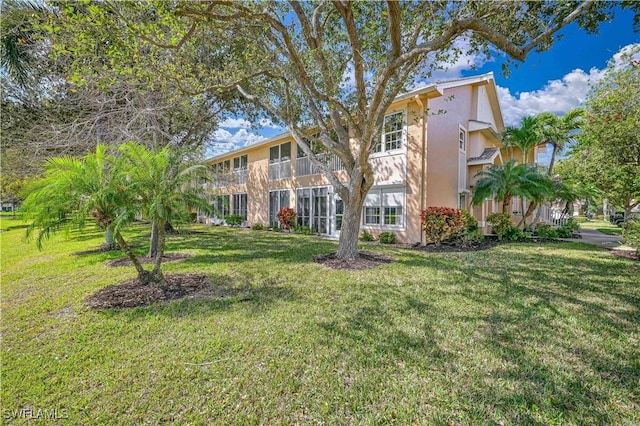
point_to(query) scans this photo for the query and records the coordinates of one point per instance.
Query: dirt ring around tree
(365, 260)
(131, 294)
(167, 257)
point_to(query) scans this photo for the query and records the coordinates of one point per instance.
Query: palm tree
(167, 188)
(73, 189)
(525, 137)
(558, 131)
(113, 190)
(19, 36)
(510, 180)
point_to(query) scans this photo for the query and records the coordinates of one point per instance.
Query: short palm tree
(166, 184)
(74, 189)
(510, 180)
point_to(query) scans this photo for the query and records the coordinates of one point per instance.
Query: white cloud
(558, 96)
(235, 123)
(225, 141)
(242, 123)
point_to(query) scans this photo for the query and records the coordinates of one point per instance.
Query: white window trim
(466, 138)
(382, 226)
(403, 139)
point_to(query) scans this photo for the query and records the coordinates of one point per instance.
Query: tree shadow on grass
(553, 329)
(245, 245)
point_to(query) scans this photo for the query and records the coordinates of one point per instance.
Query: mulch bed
(168, 257)
(365, 260)
(485, 244)
(628, 254)
(130, 293)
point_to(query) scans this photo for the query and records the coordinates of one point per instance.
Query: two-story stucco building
(435, 139)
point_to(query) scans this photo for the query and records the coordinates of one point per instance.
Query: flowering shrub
(287, 217)
(441, 223)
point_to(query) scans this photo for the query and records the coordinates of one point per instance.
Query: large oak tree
(329, 70)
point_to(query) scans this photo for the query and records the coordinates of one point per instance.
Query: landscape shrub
(441, 224)
(500, 224)
(472, 238)
(366, 236)
(304, 230)
(513, 234)
(572, 224)
(564, 232)
(287, 217)
(257, 227)
(387, 238)
(233, 220)
(544, 230)
(470, 222)
(631, 233)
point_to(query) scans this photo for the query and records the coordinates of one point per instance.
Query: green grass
(519, 334)
(602, 226)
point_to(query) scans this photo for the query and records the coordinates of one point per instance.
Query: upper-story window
(240, 170)
(462, 139)
(280, 161)
(392, 134)
(220, 171)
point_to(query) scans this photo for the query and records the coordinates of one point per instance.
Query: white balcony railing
(280, 170)
(240, 177)
(304, 167)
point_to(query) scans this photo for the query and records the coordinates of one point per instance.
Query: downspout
(423, 153)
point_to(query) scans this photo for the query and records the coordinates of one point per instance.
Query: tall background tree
(607, 153)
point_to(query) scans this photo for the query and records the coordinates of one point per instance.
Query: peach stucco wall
(443, 159)
(442, 145)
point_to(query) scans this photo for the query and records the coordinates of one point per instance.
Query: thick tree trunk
(350, 232)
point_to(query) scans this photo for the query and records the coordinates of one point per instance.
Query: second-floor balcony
(280, 170)
(240, 177)
(304, 167)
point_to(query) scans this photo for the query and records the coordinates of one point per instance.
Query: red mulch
(628, 254)
(130, 293)
(365, 260)
(168, 257)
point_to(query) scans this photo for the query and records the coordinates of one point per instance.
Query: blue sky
(556, 80)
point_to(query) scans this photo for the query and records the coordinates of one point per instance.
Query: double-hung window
(384, 208)
(392, 134)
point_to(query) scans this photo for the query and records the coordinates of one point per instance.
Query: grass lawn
(519, 334)
(602, 226)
